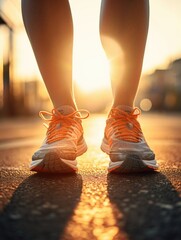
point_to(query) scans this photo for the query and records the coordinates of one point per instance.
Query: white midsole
(81, 148)
(149, 163)
(105, 148)
(70, 163)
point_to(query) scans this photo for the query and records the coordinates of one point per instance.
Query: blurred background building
(22, 91)
(161, 90)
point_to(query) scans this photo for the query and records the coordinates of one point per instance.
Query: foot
(63, 143)
(125, 144)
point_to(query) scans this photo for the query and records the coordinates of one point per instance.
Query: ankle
(119, 102)
(70, 104)
(123, 106)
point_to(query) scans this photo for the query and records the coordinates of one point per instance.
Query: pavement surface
(91, 204)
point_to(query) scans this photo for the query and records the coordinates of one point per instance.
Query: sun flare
(90, 65)
(91, 72)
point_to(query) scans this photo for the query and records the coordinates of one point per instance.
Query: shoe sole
(54, 163)
(131, 164)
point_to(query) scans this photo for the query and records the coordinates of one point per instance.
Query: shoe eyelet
(129, 125)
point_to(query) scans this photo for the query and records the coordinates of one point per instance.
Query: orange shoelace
(124, 125)
(61, 126)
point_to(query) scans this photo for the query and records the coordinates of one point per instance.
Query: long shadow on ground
(41, 207)
(146, 206)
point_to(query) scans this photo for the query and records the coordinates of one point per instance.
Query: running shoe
(125, 144)
(64, 141)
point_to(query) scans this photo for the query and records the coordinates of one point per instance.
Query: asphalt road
(91, 204)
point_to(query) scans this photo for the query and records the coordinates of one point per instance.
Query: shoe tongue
(66, 109)
(125, 108)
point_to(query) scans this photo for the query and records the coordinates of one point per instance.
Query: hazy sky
(164, 38)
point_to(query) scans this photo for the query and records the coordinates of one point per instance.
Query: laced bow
(61, 125)
(125, 125)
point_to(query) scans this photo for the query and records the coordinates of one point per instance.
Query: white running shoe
(125, 144)
(63, 143)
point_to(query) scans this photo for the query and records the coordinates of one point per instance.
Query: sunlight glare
(92, 74)
(90, 65)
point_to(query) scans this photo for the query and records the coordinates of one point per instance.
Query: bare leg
(126, 22)
(50, 30)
